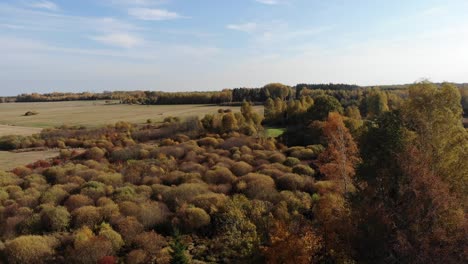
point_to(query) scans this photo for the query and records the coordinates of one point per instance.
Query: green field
(96, 113)
(274, 131)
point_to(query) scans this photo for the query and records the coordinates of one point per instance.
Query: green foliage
(178, 250)
(323, 105)
(55, 219)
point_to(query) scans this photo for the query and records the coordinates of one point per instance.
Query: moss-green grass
(274, 131)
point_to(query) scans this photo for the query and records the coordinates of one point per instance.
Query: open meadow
(95, 113)
(10, 160)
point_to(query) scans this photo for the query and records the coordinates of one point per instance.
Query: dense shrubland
(381, 180)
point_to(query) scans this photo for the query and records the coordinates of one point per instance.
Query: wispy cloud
(249, 27)
(153, 14)
(45, 5)
(122, 40)
(268, 2)
(137, 2)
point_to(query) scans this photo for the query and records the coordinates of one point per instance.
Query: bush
(150, 242)
(55, 219)
(291, 161)
(241, 168)
(210, 202)
(95, 153)
(183, 193)
(277, 157)
(55, 195)
(290, 182)
(129, 228)
(152, 214)
(219, 175)
(208, 141)
(76, 201)
(192, 218)
(303, 170)
(30, 249)
(86, 216)
(257, 186)
(31, 113)
(106, 231)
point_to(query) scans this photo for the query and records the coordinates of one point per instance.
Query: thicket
(388, 185)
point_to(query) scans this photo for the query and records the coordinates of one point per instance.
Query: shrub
(192, 218)
(86, 216)
(208, 141)
(150, 242)
(95, 153)
(183, 193)
(55, 219)
(152, 214)
(303, 154)
(241, 168)
(106, 231)
(137, 256)
(76, 201)
(277, 157)
(129, 228)
(91, 250)
(210, 202)
(128, 208)
(257, 186)
(303, 170)
(290, 182)
(291, 161)
(30, 249)
(219, 175)
(54, 195)
(94, 189)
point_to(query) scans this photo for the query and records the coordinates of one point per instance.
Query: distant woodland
(361, 175)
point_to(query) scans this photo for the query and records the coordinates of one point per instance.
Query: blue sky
(176, 45)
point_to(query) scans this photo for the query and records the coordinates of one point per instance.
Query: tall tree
(340, 158)
(435, 114)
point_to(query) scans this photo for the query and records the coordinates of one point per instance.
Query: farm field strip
(97, 113)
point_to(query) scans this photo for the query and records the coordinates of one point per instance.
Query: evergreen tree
(178, 250)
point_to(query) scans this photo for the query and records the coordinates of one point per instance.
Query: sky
(188, 45)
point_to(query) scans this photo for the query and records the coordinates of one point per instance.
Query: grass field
(16, 130)
(274, 132)
(96, 113)
(11, 160)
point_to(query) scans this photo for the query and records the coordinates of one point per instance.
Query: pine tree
(178, 250)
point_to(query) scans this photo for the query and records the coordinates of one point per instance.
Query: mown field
(11, 160)
(96, 113)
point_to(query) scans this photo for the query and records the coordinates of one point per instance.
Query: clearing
(11, 160)
(19, 131)
(97, 113)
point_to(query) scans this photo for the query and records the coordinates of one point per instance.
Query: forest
(361, 175)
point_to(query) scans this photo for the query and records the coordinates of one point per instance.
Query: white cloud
(122, 40)
(45, 5)
(153, 14)
(246, 27)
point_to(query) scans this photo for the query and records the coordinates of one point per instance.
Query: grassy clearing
(11, 160)
(97, 113)
(16, 130)
(274, 131)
